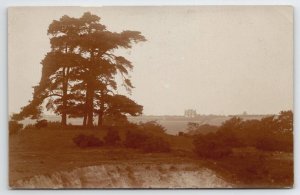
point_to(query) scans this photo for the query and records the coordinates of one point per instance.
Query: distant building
(190, 113)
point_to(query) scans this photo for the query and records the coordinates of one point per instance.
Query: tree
(56, 70)
(79, 74)
(285, 120)
(98, 44)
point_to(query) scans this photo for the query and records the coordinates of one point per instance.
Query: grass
(44, 151)
(263, 170)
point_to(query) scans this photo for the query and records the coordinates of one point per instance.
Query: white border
(4, 4)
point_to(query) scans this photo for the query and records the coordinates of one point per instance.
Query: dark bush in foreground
(84, 141)
(41, 124)
(247, 166)
(257, 152)
(258, 169)
(135, 139)
(112, 137)
(152, 127)
(156, 144)
(14, 127)
(145, 141)
(211, 146)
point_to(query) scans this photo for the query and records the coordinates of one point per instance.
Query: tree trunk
(90, 94)
(101, 111)
(64, 119)
(100, 120)
(65, 93)
(64, 98)
(85, 111)
(90, 104)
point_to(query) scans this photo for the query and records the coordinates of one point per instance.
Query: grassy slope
(44, 151)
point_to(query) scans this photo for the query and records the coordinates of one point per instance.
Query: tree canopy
(79, 74)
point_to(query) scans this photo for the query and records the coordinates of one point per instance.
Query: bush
(196, 128)
(156, 144)
(249, 167)
(14, 127)
(275, 142)
(41, 124)
(211, 146)
(152, 127)
(112, 137)
(135, 139)
(84, 141)
(146, 142)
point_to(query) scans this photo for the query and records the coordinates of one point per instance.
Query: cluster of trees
(272, 133)
(195, 128)
(80, 73)
(239, 147)
(148, 137)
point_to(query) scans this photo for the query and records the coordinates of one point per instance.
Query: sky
(215, 59)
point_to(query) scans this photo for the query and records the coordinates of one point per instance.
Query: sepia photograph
(143, 97)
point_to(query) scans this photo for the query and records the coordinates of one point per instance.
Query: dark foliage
(145, 141)
(268, 134)
(79, 73)
(112, 137)
(196, 128)
(246, 149)
(211, 146)
(152, 127)
(248, 168)
(85, 141)
(135, 139)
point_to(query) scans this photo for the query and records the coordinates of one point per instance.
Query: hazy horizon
(215, 59)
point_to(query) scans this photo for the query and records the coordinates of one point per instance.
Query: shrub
(135, 139)
(211, 146)
(14, 127)
(41, 124)
(275, 142)
(112, 137)
(146, 142)
(156, 144)
(249, 167)
(84, 141)
(152, 127)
